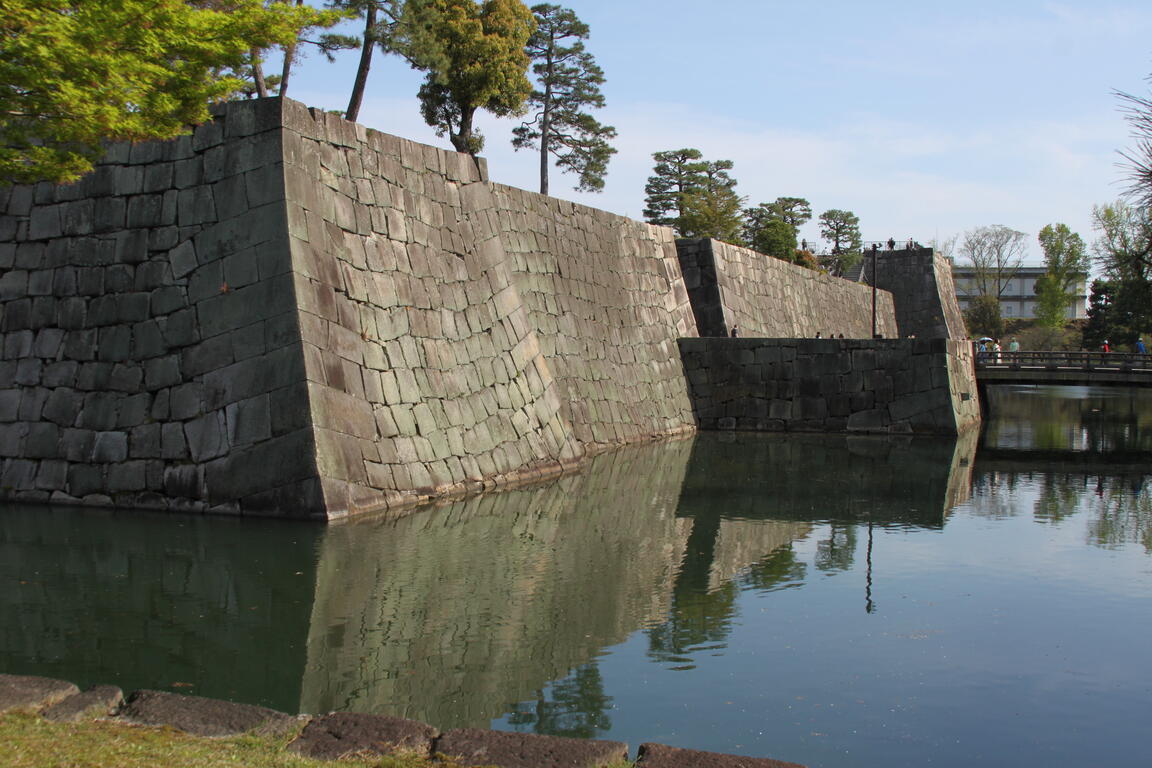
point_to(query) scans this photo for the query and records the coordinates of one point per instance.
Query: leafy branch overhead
(74, 74)
(568, 81)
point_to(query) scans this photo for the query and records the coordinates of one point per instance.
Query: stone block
(661, 756)
(85, 479)
(477, 747)
(109, 447)
(339, 734)
(28, 692)
(203, 717)
(207, 436)
(99, 701)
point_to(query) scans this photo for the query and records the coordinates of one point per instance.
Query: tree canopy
(842, 230)
(474, 54)
(677, 171)
(772, 228)
(712, 208)
(1124, 252)
(569, 83)
(996, 253)
(75, 74)
(1066, 261)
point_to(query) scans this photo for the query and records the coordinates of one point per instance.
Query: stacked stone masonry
(769, 298)
(286, 313)
(920, 281)
(901, 386)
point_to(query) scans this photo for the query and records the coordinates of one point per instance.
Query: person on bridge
(1140, 348)
(1013, 348)
(1106, 346)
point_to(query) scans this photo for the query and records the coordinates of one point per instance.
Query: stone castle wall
(922, 386)
(920, 280)
(607, 301)
(285, 313)
(769, 298)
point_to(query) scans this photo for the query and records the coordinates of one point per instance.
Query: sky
(926, 119)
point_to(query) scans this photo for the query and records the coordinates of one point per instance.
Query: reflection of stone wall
(827, 477)
(216, 604)
(454, 614)
(740, 543)
(770, 298)
(832, 385)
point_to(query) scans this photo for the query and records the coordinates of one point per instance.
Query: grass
(30, 741)
(33, 742)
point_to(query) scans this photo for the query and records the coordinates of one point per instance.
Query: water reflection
(454, 614)
(1064, 452)
(698, 592)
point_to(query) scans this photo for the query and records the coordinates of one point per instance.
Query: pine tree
(712, 208)
(569, 82)
(475, 59)
(676, 173)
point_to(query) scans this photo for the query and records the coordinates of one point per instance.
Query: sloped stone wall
(425, 375)
(607, 301)
(151, 351)
(769, 298)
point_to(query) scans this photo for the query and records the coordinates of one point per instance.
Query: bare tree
(996, 253)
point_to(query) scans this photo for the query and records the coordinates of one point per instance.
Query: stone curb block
(28, 692)
(477, 747)
(332, 736)
(203, 717)
(661, 756)
(101, 701)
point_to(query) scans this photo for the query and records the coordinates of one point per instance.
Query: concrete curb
(332, 736)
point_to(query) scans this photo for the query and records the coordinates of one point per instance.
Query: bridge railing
(1059, 360)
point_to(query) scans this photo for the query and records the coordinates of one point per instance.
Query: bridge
(1069, 368)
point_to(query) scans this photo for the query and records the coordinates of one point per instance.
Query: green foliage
(1124, 251)
(842, 230)
(775, 238)
(712, 208)
(676, 173)
(982, 318)
(475, 59)
(1138, 113)
(569, 82)
(791, 212)
(74, 74)
(1066, 261)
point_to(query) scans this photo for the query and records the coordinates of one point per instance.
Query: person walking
(1106, 346)
(1140, 348)
(1013, 348)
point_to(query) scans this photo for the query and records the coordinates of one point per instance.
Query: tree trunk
(258, 74)
(365, 63)
(545, 129)
(289, 55)
(546, 118)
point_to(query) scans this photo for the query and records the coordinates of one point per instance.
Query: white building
(1018, 299)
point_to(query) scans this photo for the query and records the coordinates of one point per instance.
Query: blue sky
(924, 118)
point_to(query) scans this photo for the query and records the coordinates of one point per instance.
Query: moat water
(826, 600)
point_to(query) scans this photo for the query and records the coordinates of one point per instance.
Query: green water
(827, 600)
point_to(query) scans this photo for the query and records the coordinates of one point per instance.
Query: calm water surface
(836, 602)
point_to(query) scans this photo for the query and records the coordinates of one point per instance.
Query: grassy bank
(33, 742)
